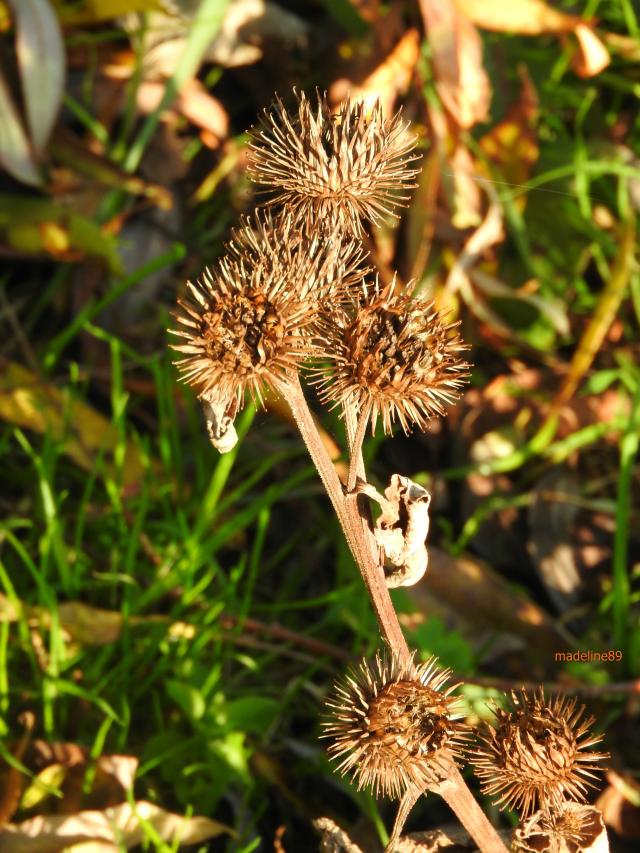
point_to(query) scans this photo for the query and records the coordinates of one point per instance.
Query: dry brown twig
(293, 288)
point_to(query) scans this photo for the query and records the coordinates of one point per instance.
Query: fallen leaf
(488, 233)
(456, 55)
(41, 63)
(482, 600)
(245, 25)
(37, 225)
(593, 56)
(97, 11)
(193, 102)
(28, 402)
(393, 76)
(16, 155)
(117, 825)
(534, 17)
(550, 537)
(527, 17)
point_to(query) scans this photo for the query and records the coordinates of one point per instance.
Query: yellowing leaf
(44, 784)
(534, 17)
(37, 225)
(527, 17)
(79, 12)
(28, 402)
(41, 61)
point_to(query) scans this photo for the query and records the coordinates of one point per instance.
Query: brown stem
(349, 517)
(355, 437)
(461, 801)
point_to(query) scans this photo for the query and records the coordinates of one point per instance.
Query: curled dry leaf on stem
(338, 168)
(401, 529)
(394, 726)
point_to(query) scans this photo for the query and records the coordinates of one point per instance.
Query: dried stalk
(349, 517)
(463, 804)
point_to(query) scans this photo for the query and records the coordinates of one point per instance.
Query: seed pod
(392, 725)
(338, 168)
(534, 757)
(393, 355)
(250, 320)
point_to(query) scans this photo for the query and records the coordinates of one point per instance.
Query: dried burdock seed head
(248, 321)
(393, 726)
(393, 356)
(338, 167)
(573, 828)
(535, 756)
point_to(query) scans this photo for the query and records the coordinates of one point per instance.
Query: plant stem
(355, 437)
(461, 801)
(349, 517)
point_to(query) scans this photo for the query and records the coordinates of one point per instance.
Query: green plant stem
(621, 584)
(349, 517)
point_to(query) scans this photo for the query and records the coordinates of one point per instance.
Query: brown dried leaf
(620, 804)
(482, 600)
(119, 824)
(220, 429)
(402, 528)
(461, 81)
(488, 233)
(390, 79)
(593, 56)
(192, 101)
(550, 538)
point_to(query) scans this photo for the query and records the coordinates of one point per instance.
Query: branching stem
(346, 509)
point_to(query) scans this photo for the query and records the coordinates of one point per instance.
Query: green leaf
(252, 714)
(187, 697)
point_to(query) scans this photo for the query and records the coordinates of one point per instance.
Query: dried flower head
(570, 829)
(393, 356)
(392, 724)
(248, 322)
(338, 167)
(534, 757)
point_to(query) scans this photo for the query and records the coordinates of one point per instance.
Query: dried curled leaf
(402, 528)
(219, 419)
